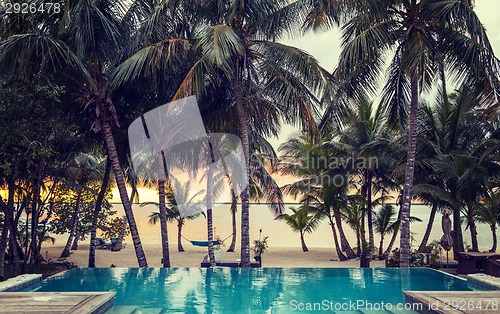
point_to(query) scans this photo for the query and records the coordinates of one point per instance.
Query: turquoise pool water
(265, 290)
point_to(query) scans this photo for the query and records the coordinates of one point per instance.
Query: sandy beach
(275, 257)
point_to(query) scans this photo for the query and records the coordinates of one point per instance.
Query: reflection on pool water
(236, 290)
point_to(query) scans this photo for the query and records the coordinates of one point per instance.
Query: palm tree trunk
(210, 230)
(97, 209)
(369, 211)
(3, 245)
(163, 223)
(395, 234)
(74, 247)
(472, 226)
(14, 247)
(210, 235)
(409, 172)
(442, 74)
(245, 203)
(35, 213)
(341, 255)
(8, 212)
(180, 248)
(304, 246)
(74, 219)
(344, 243)
(494, 233)
(380, 248)
(429, 228)
(358, 240)
(119, 240)
(122, 189)
(458, 240)
(234, 207)
(473, 234)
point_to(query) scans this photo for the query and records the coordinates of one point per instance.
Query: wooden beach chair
(466, 264)
(491, 267)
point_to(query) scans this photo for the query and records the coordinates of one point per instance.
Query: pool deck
(455, 302)
(56, 302)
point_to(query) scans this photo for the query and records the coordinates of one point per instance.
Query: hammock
(205, 243)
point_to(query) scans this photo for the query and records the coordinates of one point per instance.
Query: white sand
(274, 257)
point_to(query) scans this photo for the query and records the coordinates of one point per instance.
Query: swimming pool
(265, 290)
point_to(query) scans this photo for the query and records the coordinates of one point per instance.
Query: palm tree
(301, 221)
(87, 37)
(352, 214)
(173, 213)
(489, 213)
(468, 176)
(233, 209)
(460, 145)
(442, 130)
(364, 137)
(95, 216)
(310, 162)
(82, 168)
(236, 49)
(409, 29)
(384, 223)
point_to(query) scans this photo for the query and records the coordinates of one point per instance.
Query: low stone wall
(20, 282)
(484, 281)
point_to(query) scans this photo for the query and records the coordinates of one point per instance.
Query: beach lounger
(100, 243)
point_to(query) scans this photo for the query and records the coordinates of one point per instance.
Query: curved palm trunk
(95, 216)
(472, 227)
(473, 235)
(245, 203)
(180, 248)
(409, 173)
(304, 246)
(458, 240)
(341, 255)
(74, 247)
(163, 224)
(119, 240)
(344, 243)
(381, 245)
(234, 207)
(74, 219)
(122, 189)
(429, 228)
(395, 234)
(494, 233)
(358, 242)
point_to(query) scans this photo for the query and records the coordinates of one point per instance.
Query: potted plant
(259, 247)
